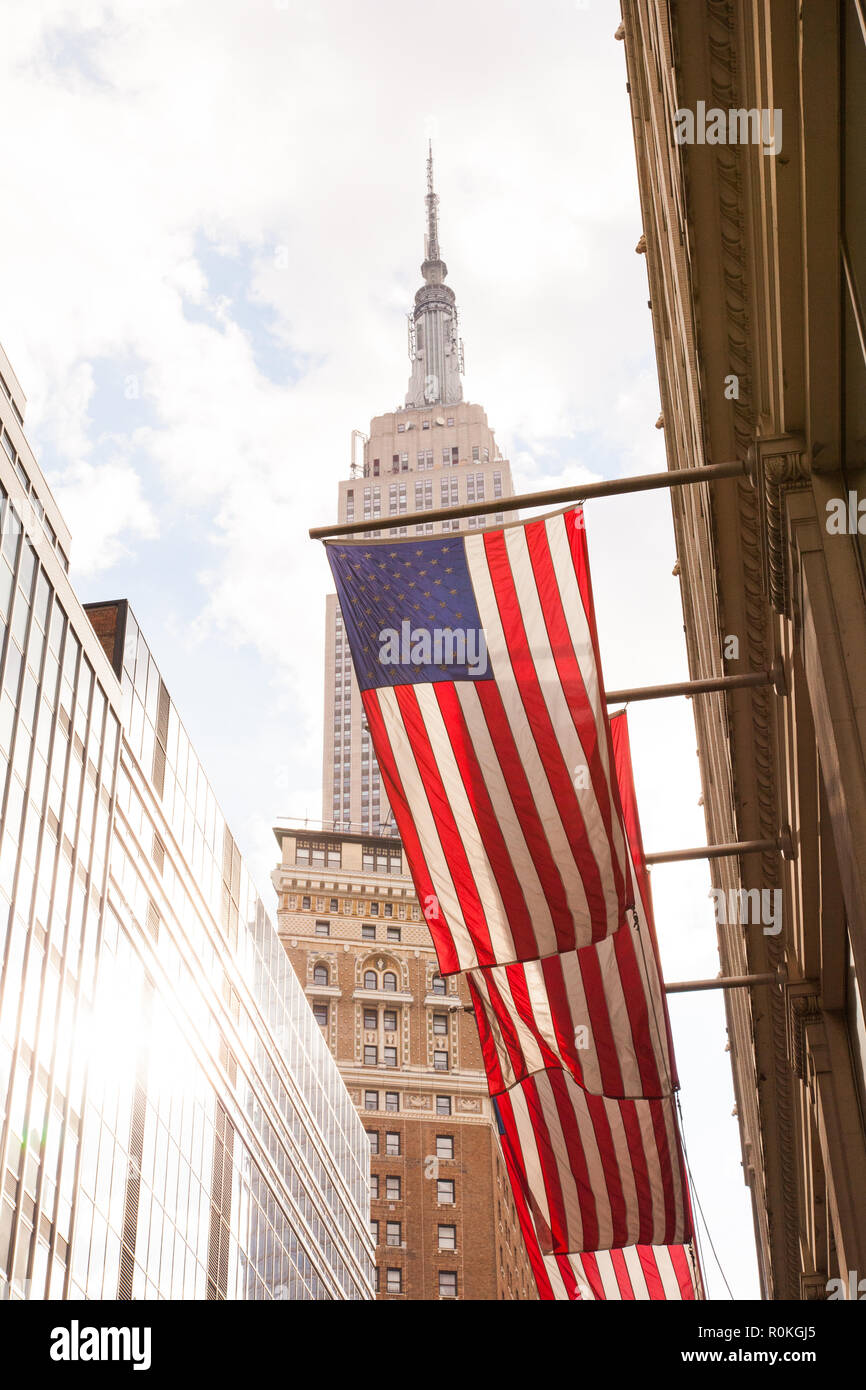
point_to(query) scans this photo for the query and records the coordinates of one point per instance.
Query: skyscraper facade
(172, 1124)
(436, 450)
(442, 1216)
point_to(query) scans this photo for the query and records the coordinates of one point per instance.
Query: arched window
(389, 980)
(371, 980)
(320, 975)
(438, 984)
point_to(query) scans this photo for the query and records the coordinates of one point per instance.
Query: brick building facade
(442, 1217)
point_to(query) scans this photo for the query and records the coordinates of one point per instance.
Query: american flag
(477, 659)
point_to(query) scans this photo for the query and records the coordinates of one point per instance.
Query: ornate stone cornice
(779, 465)
(730, 164)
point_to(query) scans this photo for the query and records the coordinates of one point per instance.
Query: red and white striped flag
(477, 659)
(639, 1272)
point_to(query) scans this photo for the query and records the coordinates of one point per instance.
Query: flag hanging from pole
(477, 661)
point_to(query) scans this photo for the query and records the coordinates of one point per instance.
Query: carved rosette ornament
(779, 465)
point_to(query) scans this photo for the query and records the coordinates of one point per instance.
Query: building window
(374, 1185)
(447, 1237)
(333, 905)
(394, 1281)
(371, 1100)
(374, 909)
(320, 1014)
(443, 1105)
(320, 975)
(393, 1233)
(389, 909)
(392, 1100)
(445, 1192)
(393, 1188)
(450, 420)
(323, 928)
(368, 932)
(371, 1055)
(389, 1020)
(373, 1140)
(393, 933)
(305, 903)
(444, 1145)
(371, 979)
(440, 1023)
(440, 1061)
(448, 1283)
(392, 1143)
(389, 981)
(371, 1018)
(390, 1056)
(438, 985)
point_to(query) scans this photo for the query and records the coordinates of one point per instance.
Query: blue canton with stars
(401, 599)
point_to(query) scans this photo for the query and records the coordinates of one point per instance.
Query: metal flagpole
(555, 497)
(773, 676)
(724, 982)
(782, 843)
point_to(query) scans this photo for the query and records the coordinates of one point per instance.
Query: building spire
(434, 343)
(431, 241)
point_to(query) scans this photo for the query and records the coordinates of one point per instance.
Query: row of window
(357, 907)
(322, 976)
(392, 1102)
(446, 1236)
(447, 1278)
(368, 933)
(446, 1189)
(393, 1141)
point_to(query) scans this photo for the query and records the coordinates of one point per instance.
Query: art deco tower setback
(436, 450)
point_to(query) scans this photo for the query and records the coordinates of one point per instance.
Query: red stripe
(541, 727)
(577, 1161)
(450, 836)
(621, 1274)
(446, 952)
(574, 690)
(683, 1271)
(492, 839)
(650, 1270)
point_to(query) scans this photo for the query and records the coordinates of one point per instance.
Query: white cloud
(105, 510)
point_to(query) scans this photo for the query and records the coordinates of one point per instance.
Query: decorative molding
(803, 1009)
(780, 464)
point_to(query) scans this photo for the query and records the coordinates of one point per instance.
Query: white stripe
(633, 1264)
(506, 816)
(550, 684)
(431, 846)
(667, 1273)
(524, 740)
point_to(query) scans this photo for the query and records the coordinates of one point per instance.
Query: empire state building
(436, 450)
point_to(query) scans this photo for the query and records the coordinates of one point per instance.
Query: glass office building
(172, 1124)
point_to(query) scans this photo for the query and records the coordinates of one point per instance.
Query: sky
(212, 233)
